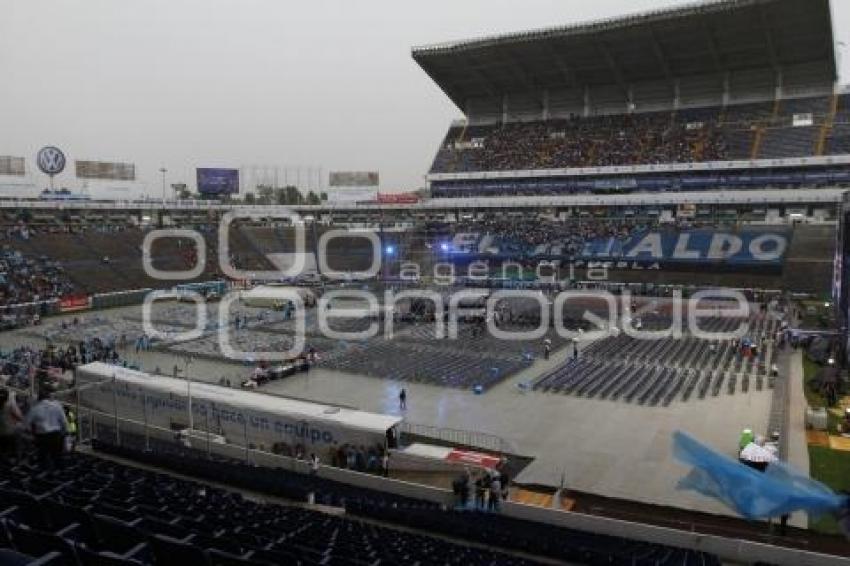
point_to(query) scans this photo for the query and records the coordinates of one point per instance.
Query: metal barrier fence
(469, 438)
(112, 429)
(98, 425)
(119, 298)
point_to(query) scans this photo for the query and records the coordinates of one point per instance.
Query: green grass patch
(813, 396)
(832, 467)
(810, 371)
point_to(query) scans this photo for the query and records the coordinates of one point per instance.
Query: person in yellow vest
(746, 438)
(71, 438)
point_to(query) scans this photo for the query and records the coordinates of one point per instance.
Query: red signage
(398, 198)
(71, 303)
(473, 458)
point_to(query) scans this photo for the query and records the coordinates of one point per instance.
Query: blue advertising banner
(218, 181)
(696, 246)
(747, 247)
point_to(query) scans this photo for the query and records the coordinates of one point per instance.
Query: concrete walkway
(798, 448)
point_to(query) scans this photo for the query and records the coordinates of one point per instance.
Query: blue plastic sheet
(778, 491)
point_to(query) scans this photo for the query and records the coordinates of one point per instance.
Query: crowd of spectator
(28, 280)
(685, 136)
(23, 231)
(369, 459)
(628, 139)
(54, 365)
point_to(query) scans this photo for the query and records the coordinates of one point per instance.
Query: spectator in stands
(495, 492)
(505, 480)
(480, 490)
(27, 280)
(47, 422)
(10, 418)
(600, 141)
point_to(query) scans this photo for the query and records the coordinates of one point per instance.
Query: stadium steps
(777, 106)
(826, 128)
(757, 142)
(809, 259)
(535, 498)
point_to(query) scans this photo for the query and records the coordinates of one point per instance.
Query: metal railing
(469, 438)
(110, 428)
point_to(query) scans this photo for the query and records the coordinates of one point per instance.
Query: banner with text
(218, 181)
(353, 179)
(751, 247)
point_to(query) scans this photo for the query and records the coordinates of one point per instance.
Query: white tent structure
(234, 414)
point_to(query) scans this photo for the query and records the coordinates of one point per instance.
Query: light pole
(163, 170)
(188, 361)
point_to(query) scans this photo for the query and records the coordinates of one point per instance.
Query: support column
(677, 94)
(586, 101)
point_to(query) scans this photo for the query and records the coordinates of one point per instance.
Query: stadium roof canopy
(717, 38)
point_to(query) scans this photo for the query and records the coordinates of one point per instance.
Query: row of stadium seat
(489, 529)
(99, 512)
(692, 135)
(645, 384)
(424, 363)
(662, 370)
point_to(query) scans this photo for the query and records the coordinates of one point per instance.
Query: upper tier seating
(689, 135)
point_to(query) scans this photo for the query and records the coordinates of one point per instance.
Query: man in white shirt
(49, 425)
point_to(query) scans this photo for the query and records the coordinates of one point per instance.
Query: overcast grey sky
(186, 83)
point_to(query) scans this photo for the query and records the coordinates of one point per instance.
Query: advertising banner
(73, 303)
(750, 247)
(213, 181)
(105, 170)
(398, 198)
(353, 179)
(12, 166)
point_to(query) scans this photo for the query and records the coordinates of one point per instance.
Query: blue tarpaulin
(778, 491)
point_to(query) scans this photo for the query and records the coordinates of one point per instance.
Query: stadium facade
(602, 144)
(720, 95)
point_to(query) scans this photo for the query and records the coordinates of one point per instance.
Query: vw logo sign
(50, 160)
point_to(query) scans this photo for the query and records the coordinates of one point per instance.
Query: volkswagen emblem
(50, 160)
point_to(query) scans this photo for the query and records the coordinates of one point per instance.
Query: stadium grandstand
(614, 333)
(722, 95)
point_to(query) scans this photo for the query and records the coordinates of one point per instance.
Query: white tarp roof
(246, 400)
(428, 451)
